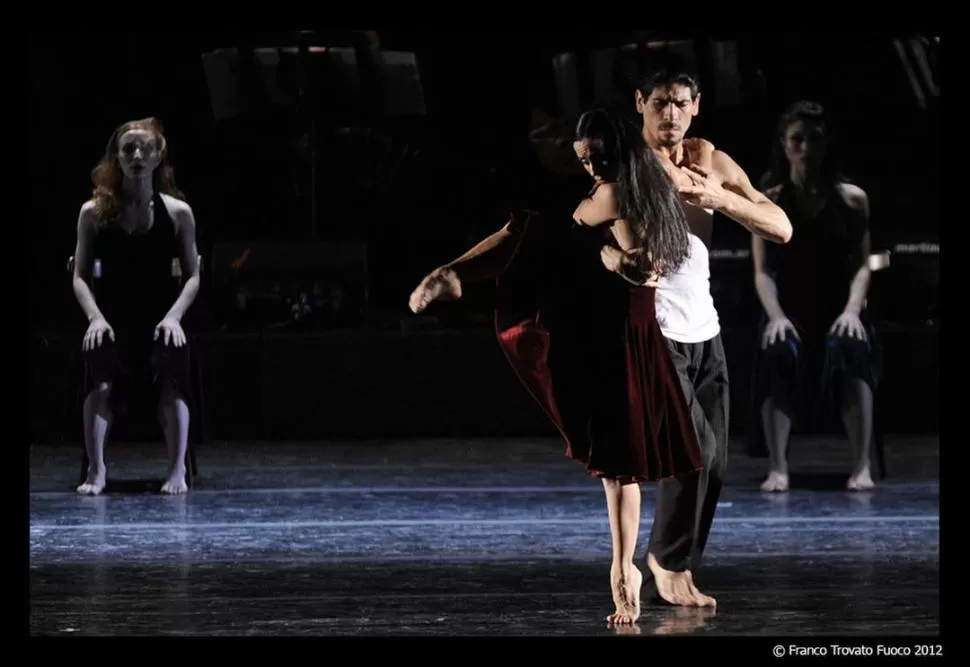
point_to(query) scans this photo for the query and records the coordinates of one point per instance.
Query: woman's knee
(781, 363)
(848, 344)
(616, 482)
(99, 393)
(783, 351)
(169, 394)
(170, 366)
(850, 357)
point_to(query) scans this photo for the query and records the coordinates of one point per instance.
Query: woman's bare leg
(97, 423)
(174, 416)
(777, 429)
(623, 503)
(857, 418)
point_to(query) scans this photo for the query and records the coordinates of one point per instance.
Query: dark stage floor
(463, 538)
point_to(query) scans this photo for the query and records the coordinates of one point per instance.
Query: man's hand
(441, 284)
(704, 190)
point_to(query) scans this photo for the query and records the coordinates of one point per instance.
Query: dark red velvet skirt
(588, 348)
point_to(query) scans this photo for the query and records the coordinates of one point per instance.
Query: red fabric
(588, 348)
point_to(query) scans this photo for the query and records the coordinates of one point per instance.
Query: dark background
(380, 371)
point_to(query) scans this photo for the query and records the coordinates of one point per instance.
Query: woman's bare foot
(678, 587)
(626, 583)
(776, 482)
(175, 483)
(94, 483)
(861, 481)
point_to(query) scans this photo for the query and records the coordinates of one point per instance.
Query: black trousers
(686, 504)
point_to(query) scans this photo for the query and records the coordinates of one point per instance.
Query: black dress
(813, 273)
(135, 290)
(588, 347)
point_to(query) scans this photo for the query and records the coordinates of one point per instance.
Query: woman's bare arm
(599, 208)
(764, 284)
(84, 263)
(185, 220)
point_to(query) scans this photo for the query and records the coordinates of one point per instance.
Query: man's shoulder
(699, 148)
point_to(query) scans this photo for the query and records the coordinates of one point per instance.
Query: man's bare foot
(626, 583)
(678, 587)
(441, 284)
(861, 481)
(94, 483)
(776, 482)
(175, 483)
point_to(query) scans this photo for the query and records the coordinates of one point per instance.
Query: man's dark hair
(666, 70)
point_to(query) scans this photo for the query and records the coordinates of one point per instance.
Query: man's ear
(696, 105)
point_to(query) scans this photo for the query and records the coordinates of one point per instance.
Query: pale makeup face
(138, 154)
(667, 113)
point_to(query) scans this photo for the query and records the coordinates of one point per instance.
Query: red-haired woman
(135, 224)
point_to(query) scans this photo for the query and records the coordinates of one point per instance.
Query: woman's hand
(171, 330)
(776, 330)
(95, 334)
(612, 258)
(848, 324)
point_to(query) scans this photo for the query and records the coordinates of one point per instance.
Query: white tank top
(685, 306)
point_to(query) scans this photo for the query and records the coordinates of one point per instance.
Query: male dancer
(709, 180)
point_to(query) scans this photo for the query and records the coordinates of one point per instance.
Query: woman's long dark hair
(645, 193)
(811, 113)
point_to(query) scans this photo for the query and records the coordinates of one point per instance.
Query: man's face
(667, 113)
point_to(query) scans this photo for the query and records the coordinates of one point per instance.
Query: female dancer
(815, 337)
(135, 224)
(585, 341)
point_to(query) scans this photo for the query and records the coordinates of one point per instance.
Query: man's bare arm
(744, 204)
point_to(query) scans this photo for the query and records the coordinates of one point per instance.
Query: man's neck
(674, 153)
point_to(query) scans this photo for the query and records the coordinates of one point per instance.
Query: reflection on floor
(454, 537)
